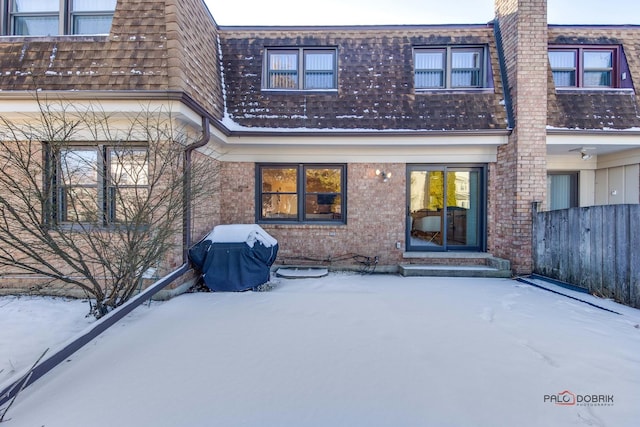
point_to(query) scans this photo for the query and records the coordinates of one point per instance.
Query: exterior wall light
(386, 176)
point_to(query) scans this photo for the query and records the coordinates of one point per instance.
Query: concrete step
(453, 271)
(455, 264)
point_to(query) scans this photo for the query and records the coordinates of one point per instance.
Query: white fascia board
(359, 154)
(116, 108)
(119, 111)
(369, 139)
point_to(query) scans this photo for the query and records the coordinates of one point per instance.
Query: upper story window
(54, 17)
(92, 16)
(301, 69)
(588, 67)
(449, 67)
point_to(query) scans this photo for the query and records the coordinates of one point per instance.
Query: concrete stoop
(454, 264)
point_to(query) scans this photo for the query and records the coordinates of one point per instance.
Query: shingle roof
(375, 81)
(153, 46)
(133, 57)
(596, 109)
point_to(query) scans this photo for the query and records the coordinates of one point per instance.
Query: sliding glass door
(446, 208)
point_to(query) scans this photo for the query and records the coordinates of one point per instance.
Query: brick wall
(206, 206)
(375, 216)
(520, 173)
(168, 173)
(237, 193)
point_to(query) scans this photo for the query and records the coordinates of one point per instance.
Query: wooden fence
(596, 248)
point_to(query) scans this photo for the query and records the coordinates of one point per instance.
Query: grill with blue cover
(235, 257)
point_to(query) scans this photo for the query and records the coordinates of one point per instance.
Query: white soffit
(602, 143)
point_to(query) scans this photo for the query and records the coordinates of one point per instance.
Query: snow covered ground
(30, 325)
(350, 350)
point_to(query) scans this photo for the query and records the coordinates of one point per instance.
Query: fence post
(535, 208)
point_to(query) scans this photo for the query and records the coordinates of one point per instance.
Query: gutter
(569, 131)
(359, 28)
(186, 188)
(504, 75)
(368, 132)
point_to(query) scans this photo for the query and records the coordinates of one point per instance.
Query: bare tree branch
(93, 200)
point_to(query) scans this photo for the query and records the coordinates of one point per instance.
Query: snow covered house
(394, 144)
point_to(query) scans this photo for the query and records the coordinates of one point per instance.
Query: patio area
(353, 350)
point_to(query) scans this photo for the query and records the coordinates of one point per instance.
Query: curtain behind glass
(597, 68)
(93, 5)
(429, 68)
(283, 70)
(35, 6)
(559, 191)
(465, 69)
(92, 24)
(319, 72)
(35, 25)
(563, 65)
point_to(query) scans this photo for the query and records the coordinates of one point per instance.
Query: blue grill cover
(233, 266)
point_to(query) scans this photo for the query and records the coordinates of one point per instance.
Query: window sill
(302, 225)
(301, 91)
(82, 227)
(611, 90)
(466, 90)
(56, 37)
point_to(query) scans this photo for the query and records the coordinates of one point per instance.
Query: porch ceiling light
(584, 155)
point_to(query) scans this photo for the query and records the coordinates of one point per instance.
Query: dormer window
(54, 17)
(584, 67)
(450, 67)
(300, 69)
(35, 17)
(92, 16)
